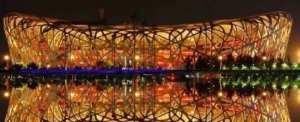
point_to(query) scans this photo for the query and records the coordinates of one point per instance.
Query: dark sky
(156, 11)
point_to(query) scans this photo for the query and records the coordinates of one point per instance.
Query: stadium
(53, 42)
(136, 95)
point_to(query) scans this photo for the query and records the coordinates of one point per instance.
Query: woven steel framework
(167, 102)
(56, 42)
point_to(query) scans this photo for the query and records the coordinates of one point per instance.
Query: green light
(284, 86)
(274, 66)
(295, 86)
(285, 66)
(235, 68)
(244, 67)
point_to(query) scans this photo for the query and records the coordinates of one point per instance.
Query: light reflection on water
(293, 105)
(293, 102)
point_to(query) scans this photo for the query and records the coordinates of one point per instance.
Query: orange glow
(72, 57)
(220, 58)
(220, 94)
(6, 94)
(6, 57)
(264, 58)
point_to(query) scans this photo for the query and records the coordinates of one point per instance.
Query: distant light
(72, 94)
(264, 93)
(48, 66)
(264, 58)
(48, 86)
(72, 56)
(137, 57)
(129, 89)
(220, 94)
(220, 58)
(6, 94)
(6, 57)
(137, 94)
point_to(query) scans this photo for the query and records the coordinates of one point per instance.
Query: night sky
(157, 12)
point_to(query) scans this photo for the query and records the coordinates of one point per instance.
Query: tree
(229, 61)
(77, 67)
(270, 62)
(256, 61)
(239, 61)
(248, 61)
(100, 64)
(289, 62)
(109, 64)
(32, 65)
(43, 67)
(279, 63)
(16, 67)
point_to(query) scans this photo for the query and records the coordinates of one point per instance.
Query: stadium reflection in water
(156, 97)
(141, 95)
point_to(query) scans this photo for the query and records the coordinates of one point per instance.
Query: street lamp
(6, 94)
(264, 93)
(220, 80)
(220, 58)
(220, 94)
(264, 58)
(136, 63)
(6, 57)
(72, 57)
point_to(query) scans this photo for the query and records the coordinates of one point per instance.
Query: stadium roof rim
(65, 23)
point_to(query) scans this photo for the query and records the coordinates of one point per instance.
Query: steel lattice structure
(50, 42)
(167, 102)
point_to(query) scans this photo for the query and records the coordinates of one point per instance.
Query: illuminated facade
(62, 43)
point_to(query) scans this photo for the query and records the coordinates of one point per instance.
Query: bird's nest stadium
(103, 97)
(55, 42)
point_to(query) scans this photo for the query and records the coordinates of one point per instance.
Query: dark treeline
(206, 63)
(201, 63)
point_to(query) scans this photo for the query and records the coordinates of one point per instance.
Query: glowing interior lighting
(72, 94)
(137, 57)
(72, 57)
(137, 94)
(264, 58)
